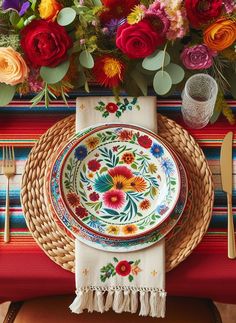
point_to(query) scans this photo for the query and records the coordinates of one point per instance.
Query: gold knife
(226, 167)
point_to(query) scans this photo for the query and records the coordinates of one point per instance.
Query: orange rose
(13, 69)
(220, 35)
(48, 9)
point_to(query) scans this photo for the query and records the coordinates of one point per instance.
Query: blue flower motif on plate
(157, 150)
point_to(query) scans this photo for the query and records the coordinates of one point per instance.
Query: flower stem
(164, 56)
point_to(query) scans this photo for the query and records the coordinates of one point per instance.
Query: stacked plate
(116, 187)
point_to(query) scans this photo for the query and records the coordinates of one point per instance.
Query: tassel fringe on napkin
(120, 299)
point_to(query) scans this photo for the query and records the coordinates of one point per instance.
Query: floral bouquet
(50, 47)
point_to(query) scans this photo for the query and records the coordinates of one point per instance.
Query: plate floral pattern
(121, 178)
(67, 222)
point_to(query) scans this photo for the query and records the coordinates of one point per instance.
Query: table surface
(26, 271)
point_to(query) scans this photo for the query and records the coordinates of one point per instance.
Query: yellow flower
(13, 69)
(113, 229)
(49, 9)
(129, 229)
(136, 15)
(92, 142)
(152, 168)
(90, 175)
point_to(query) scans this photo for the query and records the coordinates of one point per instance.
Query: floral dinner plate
(122, 177)
(71, 227)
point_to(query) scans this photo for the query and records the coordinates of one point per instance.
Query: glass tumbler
(198, 100)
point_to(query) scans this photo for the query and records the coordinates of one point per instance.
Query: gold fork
(9, 170)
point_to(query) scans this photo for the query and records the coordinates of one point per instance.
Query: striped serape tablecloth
(26, 271)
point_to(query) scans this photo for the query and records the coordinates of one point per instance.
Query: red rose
(81, 212)
(145, 141)
(123, 268)
(111, 107)
(94, 165)
(45, 43)
(139, 40)
(201, 12)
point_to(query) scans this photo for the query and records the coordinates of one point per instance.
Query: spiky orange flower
(145, 204)
(129, 229)
(108, 71)
(137, 184)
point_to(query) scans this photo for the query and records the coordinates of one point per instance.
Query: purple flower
(113, 24)
(197, 57)
(20, 6)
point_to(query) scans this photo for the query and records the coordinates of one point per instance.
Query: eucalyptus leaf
(86, 59)
(176, 72)
(140, 80)
(6, 93)
(97, 2)
(52, 75)
(162, 82)
(155, 61)
(66, 16)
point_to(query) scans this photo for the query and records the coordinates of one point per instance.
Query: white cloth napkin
(127, 281)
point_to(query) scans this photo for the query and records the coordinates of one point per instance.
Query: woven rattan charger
(60, 248)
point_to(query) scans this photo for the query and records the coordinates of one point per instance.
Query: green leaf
(115, 259)
(131, 278)
(6, 93)
(66, 16)
(28, 20)
(141, 81)
(86, 59)
(176, 72)
(155, 61)
(97, 3)
(134, 166)
(14, 18)
(118, 114)
(103, 169)
(162, 82)
(52, 75)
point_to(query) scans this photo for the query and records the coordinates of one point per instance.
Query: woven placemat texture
(60, 248)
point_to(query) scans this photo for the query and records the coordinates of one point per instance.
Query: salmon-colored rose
(13, 69)
(221, 34)
(48, 9)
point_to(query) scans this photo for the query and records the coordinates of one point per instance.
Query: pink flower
(114, 199)
(197, 57)
(156, 12)
(229, 5)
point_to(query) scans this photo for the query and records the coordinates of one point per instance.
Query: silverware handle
(231, 237)
(7, 215)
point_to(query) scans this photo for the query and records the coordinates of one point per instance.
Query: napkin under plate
(127, 281)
